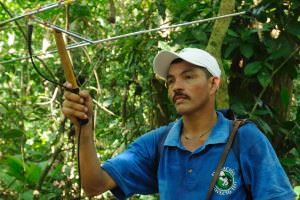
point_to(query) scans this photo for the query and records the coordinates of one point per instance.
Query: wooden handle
(65, 59)
(67, 66)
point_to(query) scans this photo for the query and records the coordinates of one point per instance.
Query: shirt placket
(190, 170)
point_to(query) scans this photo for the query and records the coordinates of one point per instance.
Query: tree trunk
(215, 45)
(161, 113)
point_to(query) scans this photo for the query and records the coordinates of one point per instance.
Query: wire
(78, 163)
(74, 90)
(29, 46)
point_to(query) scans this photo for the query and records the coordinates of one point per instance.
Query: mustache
(179, 94)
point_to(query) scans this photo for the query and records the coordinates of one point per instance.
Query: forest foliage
(260, 58)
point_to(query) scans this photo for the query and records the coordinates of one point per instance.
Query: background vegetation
(260, 58)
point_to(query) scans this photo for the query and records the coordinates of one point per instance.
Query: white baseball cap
(195, 56)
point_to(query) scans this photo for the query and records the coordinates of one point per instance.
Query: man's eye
(188, 77)
(170, 81)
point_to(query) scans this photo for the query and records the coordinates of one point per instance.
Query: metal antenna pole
(167, 27)
(38, 10)
(81, 44)
(52, 26)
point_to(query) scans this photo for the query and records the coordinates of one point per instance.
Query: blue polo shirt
(186, 175)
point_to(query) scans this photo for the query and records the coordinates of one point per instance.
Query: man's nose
(177, 85)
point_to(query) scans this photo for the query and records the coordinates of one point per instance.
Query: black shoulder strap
(236, 124)
(236, 151)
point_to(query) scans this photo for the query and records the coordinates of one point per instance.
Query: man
(192, 147)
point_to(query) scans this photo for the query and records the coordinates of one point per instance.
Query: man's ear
(215, 84)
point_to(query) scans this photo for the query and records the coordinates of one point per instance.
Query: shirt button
(190, 170)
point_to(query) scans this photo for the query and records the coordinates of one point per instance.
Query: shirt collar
(173, 137)
(219, 133)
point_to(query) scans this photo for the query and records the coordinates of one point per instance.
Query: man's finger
(73, 97)
(74, 113)
(75, 106)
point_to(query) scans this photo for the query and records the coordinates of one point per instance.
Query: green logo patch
(226, 182)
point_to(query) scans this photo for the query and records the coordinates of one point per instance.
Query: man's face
(189, 88)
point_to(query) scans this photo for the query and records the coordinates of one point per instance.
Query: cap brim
(162, 61)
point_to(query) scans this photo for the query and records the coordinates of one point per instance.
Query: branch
(103, 108)
(52, 98)
(272, 75)
(9, 185)
(112, 8)
(48, 167)
(54, 156)
(124, 103)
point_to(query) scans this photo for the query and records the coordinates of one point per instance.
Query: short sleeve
(261, 168)
(133, 170)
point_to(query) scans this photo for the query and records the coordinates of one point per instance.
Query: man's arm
(93, 178)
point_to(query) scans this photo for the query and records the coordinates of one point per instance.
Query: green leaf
(268, 65)
(107, 102)
(161, 7)
(247, 50)
(282, 49)
(164, 45)
(295, 5)
(289, 162)
(284, 96)
(252, 68)
(28, 195)
(182, 38)
(33, 173)
(245, 34)
(48, 196)
(232, 33)
(264, 78)
(298, 116)
(3, 108)
(13, 133)
(6, 178)
(79, 11)
(294, 152)
(264, 126)
(297, 191)
(199, 35)
(283, 52)
(229, 49)
(239, 108)
(261, 112)
(16, 167)
(294, 28)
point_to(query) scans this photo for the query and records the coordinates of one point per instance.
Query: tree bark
(214, 46)
(161, 113)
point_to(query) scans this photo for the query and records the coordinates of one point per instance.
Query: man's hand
(93, 178)
(77, 106)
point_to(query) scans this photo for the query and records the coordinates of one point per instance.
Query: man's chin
(181, 111)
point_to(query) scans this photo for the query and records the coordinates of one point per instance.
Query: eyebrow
(183, 72)
(187, 70)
